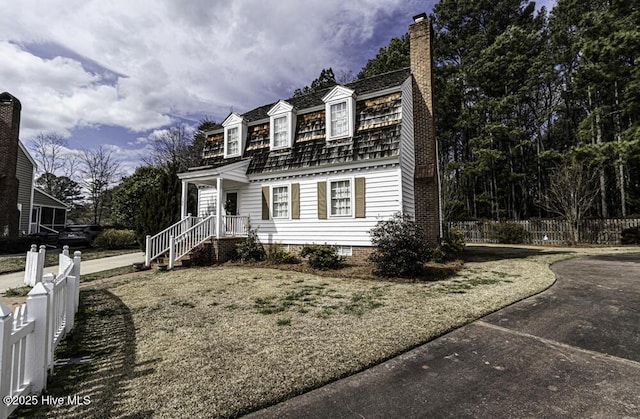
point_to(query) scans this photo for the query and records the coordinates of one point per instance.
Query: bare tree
(72, 164)
(573, 187)
(99, 171)
(49, 153)
(173, 147)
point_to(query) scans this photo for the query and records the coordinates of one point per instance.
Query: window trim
(273, 206)
(232, 122)
(227, 154)
(351, 197)
(344, 250)
(280, 110)
(287, 140)
(336, 96)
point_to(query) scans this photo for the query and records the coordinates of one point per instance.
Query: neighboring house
(24, 209)
(48, 214)
(25, 172)
(324, 167)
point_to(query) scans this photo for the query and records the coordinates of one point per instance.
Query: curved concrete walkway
(572, 351)
(16, 279)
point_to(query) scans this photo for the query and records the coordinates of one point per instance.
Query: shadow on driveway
(490, 253)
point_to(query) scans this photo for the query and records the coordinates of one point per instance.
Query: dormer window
(235, 131)
(340, 109)
(339, 120)
(233, 141)
(282, 125)
(280, 132)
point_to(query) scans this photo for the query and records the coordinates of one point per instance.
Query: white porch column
(218, 206)
(183, 199)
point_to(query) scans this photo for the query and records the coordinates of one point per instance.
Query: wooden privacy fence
(29, 335)
(539, 231)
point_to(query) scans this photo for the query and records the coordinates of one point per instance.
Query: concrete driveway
(572, 351)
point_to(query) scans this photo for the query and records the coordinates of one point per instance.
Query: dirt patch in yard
(227, 340)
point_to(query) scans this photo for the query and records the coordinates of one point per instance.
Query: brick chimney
(426, 183)
(9, 130)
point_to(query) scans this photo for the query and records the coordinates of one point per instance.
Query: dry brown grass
(223, 341)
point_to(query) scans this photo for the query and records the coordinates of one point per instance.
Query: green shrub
(115, 239)
(276, 255)
(400, 248)
(9, 245)
(322, 256)
(452, 244)
(508, 233)
(630, 235)
(250, 249)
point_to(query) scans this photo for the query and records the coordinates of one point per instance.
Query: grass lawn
(227, 340)
(17, 264)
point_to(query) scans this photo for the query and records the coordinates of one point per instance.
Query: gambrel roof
(377, 130)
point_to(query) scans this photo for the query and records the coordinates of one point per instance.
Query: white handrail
(183, 243)
(159, 244)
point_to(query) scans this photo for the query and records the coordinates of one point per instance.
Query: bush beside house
(322, 256)
(113, 239)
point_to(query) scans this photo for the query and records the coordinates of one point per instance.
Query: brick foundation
(225, 248)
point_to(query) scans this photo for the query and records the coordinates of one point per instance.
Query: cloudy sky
(116, 72)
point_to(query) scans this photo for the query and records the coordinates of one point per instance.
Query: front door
(231, 203)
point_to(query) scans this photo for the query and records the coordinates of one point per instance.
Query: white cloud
(174, 58)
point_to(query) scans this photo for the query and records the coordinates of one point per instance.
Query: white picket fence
(29, 335)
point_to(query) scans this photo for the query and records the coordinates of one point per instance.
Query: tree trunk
(621, 178)
(597, 139)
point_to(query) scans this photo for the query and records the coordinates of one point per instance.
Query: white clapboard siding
(206, 201)
(407, 155)
(383, 199)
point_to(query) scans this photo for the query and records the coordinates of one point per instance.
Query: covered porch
(221, 199)
(216, 219)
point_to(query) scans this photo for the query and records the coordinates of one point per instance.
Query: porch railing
(186, 234)
(235, 225)
(183, 243)
(159, 244)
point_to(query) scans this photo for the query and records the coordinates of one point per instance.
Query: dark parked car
(79, 235)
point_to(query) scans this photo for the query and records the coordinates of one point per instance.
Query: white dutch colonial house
(320, 168)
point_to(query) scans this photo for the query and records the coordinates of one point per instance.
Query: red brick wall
(9, 130)
(426, 173)
(225, 248)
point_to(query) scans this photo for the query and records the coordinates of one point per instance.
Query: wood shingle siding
(377, 131)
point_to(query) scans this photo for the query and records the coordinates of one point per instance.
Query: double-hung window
(339, 120)
(235, 131)
(340, 110)
(340, 198)
(280, 132)
(280, 199)
(282, 123)
(233, 141)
